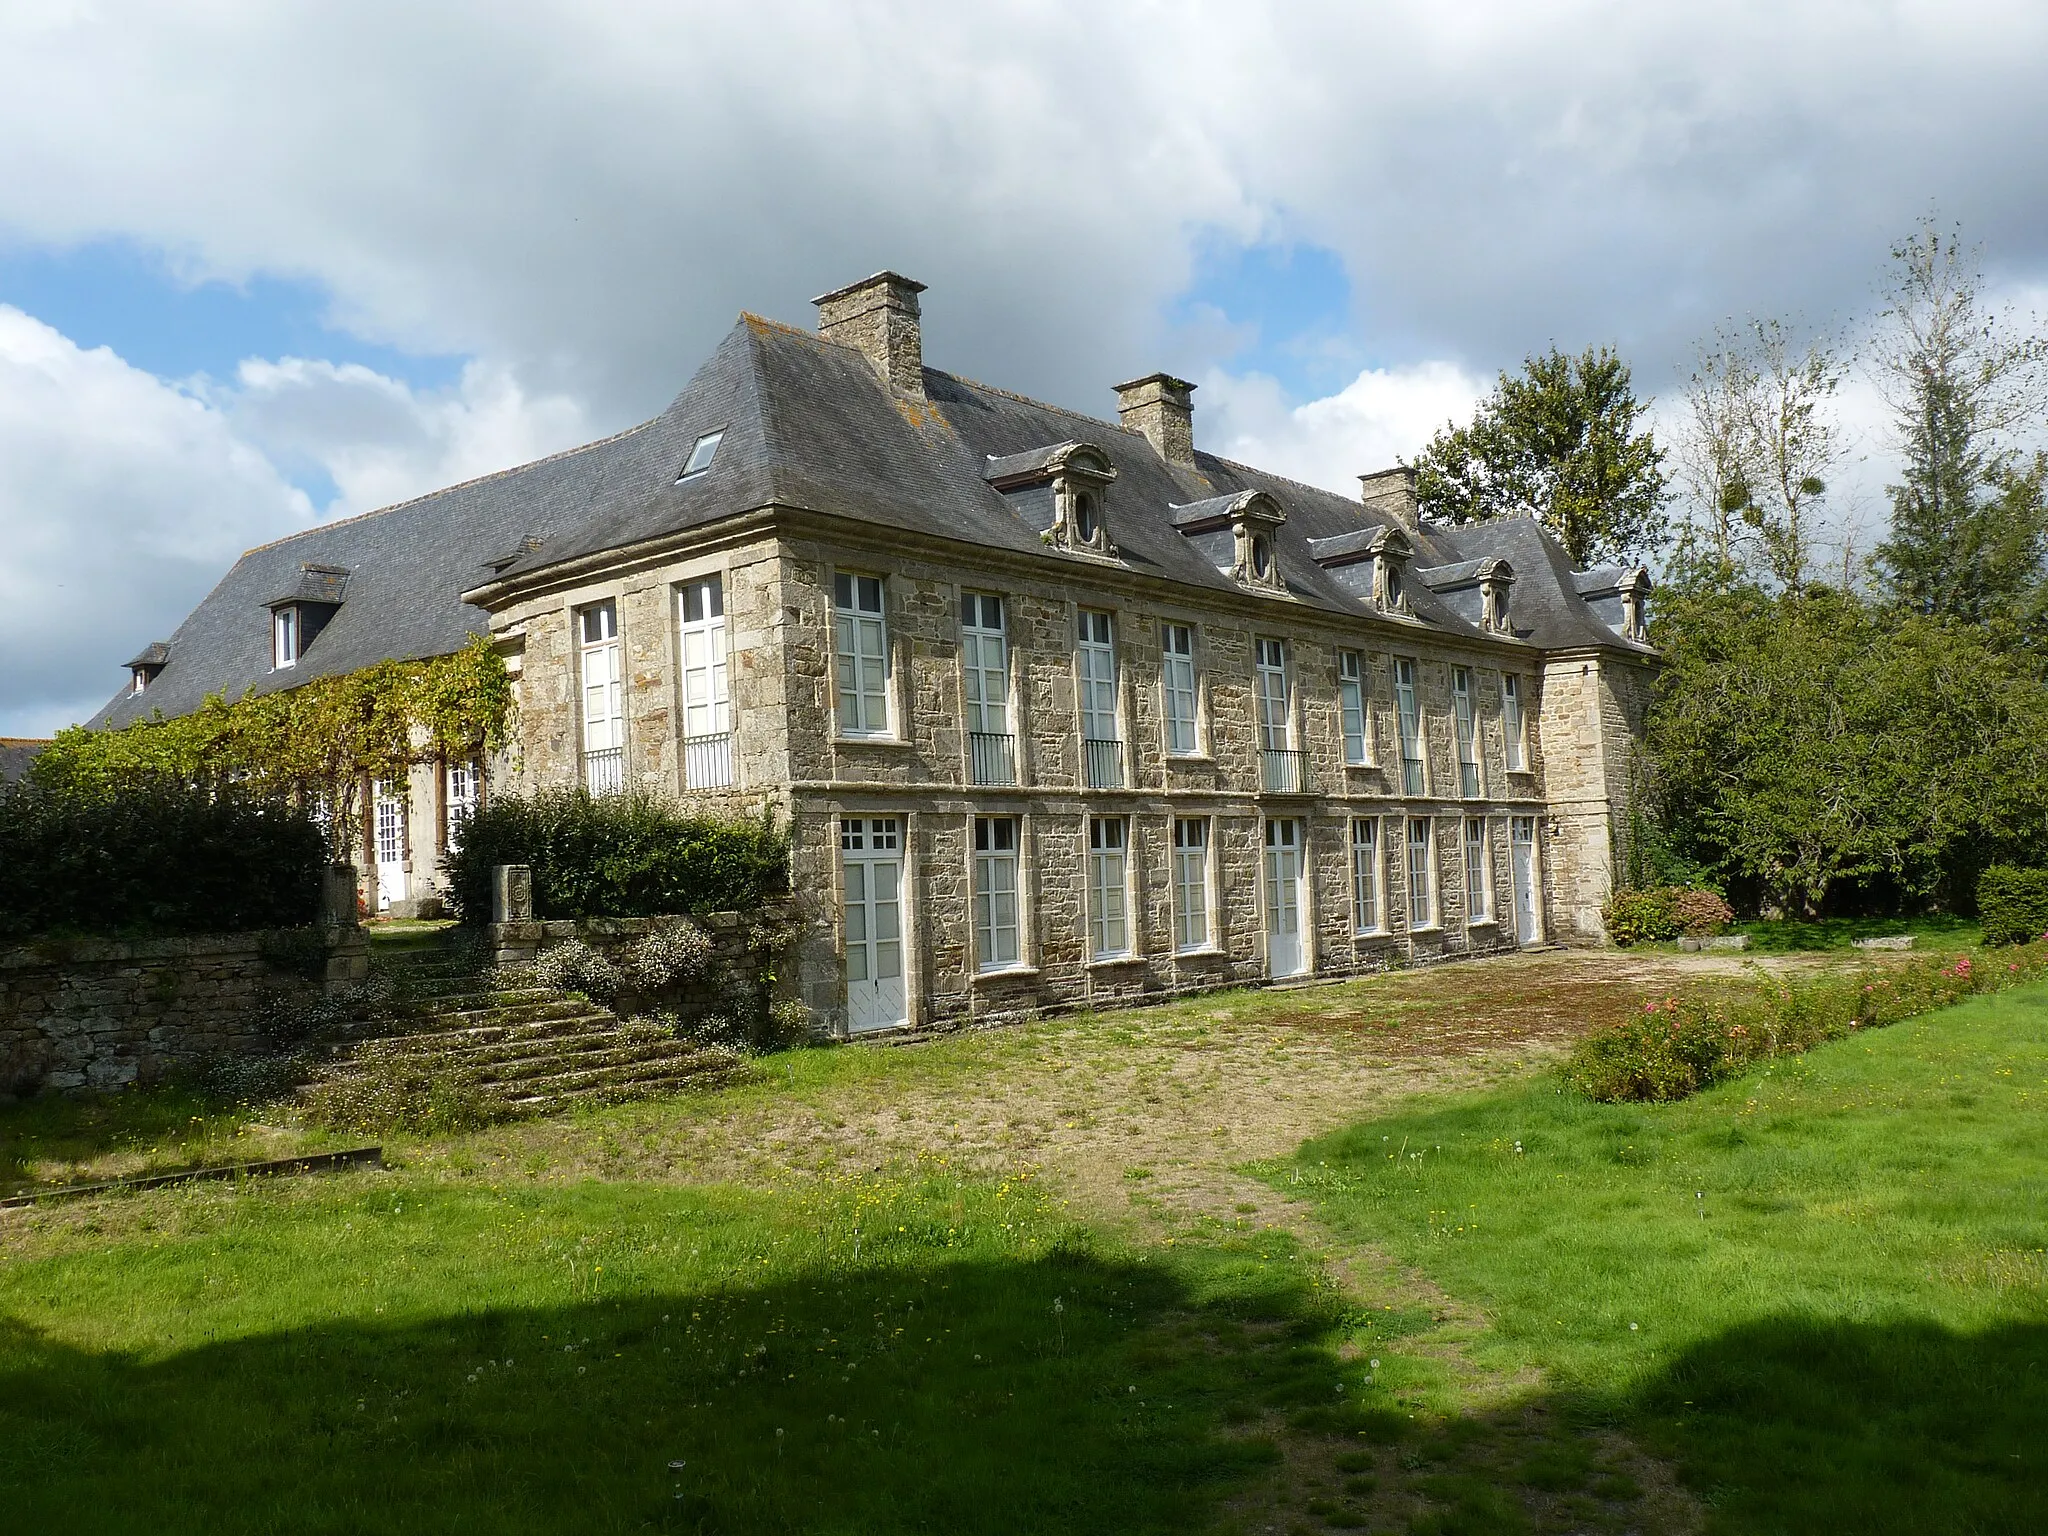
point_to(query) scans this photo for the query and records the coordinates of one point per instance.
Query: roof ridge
(1043, 405)
(460, 485)
(1299, 485)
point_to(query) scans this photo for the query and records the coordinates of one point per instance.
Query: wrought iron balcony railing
(993, 757)
(604, 770)
(707, 761)
(1105, 763)
(1283, 772)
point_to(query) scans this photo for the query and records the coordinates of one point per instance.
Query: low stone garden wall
(102, 1014)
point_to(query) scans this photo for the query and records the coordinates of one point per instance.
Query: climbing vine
(315, 745)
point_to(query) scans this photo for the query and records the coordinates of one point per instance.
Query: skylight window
(701, 455)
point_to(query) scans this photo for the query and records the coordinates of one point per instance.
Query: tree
(1967, 537)
(1561, 444)
(1805, 739)
(1755, 452)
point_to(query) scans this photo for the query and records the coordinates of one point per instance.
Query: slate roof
(806, 424)
(16, 752)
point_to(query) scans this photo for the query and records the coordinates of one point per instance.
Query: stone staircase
(524, 1049)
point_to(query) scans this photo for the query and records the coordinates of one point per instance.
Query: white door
(1522, 841)
(389, 811)
(871, 855)
(1285, 955)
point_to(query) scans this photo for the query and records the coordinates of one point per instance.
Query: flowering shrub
(666, 956)
(1632, 917)
(1700, 914)
(573, 966)
(1679, 1045)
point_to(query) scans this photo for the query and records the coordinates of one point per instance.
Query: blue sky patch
(1289, 309)
(115, 293)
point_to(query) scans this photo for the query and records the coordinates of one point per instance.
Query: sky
(263, 265)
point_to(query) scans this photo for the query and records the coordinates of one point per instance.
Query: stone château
(1060, 711)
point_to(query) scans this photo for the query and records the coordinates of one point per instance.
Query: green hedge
(2013, 904)
(1680, 1045)
(617, 856)
(153, 857)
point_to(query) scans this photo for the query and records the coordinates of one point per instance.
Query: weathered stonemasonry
(100, 1014)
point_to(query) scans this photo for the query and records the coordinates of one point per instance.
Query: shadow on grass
(174, 1126)
(1792, 937)
(1062, 1394)
(1794, 1425)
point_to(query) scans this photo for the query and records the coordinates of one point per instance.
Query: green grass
(1939, 931)
(887, 1354)
(1822, 1289)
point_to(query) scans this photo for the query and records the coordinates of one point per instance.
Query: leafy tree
(1804, 739)
(1563, 444)
(1968, 535)
(1755, 451)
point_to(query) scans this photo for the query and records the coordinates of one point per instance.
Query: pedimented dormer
(1477, 591)
(1059, 491)
(1238, 535)
(1372, 562)
(1620, 599)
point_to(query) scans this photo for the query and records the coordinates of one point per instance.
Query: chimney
(1158, 407)
(1391, 493)
(877, 317)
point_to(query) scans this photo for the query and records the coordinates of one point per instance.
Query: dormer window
(701, 455)
(143, 669)
(1370, 562)
(1619, 599)
(284, 637)
(1635, 606)
(1059, 492)
(1237, 534)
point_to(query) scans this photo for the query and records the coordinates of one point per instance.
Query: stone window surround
(1212, 892)
(1308, 887)
(574, 605)
(894, 698)
(1134, 951)
(1013, 693)
(676, 579)
(1026, 963)
(1198, 659)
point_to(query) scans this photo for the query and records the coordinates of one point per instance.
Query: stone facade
(100, 1014)
(1581, 713)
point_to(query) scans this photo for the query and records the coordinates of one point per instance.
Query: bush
(573, 966)
(1700, 914)
(153, 856)
(2013, 904)
(1632, 917)
(617, 856)
(1680, 1045)
(677, 953)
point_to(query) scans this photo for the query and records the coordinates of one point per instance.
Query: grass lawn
(883, 1354)
(1821, 1290)
(1938, 931)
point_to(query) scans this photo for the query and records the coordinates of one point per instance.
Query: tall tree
(1758, 443)
(1967, 536)
(1561, 443)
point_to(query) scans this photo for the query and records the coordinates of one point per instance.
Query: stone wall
(100, 1014)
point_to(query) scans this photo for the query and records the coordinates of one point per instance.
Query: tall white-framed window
(1097, 658)
(995, 892)
(1109, 928)
(604, 708)
(1414, 779)
(860, 643)
(707, 701)
(1513, 729)
(1275, 726)
(1421, 874)
(1465, 725)
(459, 798)
(1177, 642)
(985, 661)
(1351, 707)
(284, 637)
(1365, 874)
(1190, 883)
(1478, 873)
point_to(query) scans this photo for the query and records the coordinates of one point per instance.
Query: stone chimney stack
(877, 317)
(1159, 407)
(1391, 493)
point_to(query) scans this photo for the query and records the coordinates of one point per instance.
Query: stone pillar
(348, 947)
(515, 936)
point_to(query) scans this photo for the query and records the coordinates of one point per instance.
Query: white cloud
(121, 502)
(124, 498)
(1383, 415)
(381, 441)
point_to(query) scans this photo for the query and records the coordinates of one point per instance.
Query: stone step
(589, 1058)
(525, 1011)
(583, 1086)
(454, 1040)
